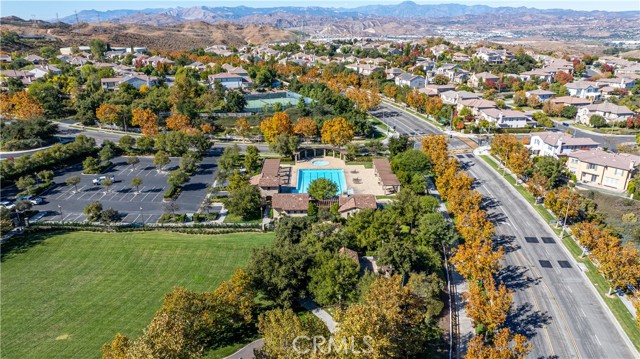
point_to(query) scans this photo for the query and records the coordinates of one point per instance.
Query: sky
(47, 9)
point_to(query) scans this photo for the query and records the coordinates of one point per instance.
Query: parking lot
(63, 202)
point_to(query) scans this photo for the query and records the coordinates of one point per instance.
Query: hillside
(183, 36)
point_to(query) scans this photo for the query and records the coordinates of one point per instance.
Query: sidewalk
(314, 308)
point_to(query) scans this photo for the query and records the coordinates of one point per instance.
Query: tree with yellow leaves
(416, 100)
(278, 124)
(537, 185)
(305, 127)
(503, 345)
(243, 127)
(464, 200)
(435, 147)
(563, 202)
(21, 106)
(474, 226)
(109, 114)
(433, 105)
(178, 122)
(588, 235)
(488, 304)
(146, 119)
(365, 100)
(477, 261)
(618, 264)
(206, 128)
(337, 131)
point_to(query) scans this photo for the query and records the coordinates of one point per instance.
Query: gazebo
(305, 152)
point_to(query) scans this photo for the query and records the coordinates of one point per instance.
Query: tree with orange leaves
(503, 345)
(488, 305)
(588, 234)
(305, 127)
(474, 226)
(618, 264)
(477, 261)
(109, 114)
(337, 131)
(365, 100)
(537, 185)
(243, 127)
(146, 119)
(416, 100)
(435, 147)
(21, 106)
(563, 77)
(563, 202)
(433, 105)
(206, 128)
(178, 122)
(278, 124)
(390, 91)
(462, 200)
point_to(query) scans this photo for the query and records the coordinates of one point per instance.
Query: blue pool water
(305, 177)
(320, 163)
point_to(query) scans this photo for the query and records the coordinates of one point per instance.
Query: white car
(102, 178)
(8, 205)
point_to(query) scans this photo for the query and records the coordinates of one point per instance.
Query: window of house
(594, 178)
(537, 141)
(574, 161)
(592, 166)
(618, 172)
(611, 182)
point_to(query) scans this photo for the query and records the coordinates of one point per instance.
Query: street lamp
(142, 215)
(60, 211)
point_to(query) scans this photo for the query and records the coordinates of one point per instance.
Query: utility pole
(76, 12)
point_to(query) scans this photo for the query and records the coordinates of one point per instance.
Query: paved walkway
(247, 351)
(314, 308)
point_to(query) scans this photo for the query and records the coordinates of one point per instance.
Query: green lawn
(64, 295)
(606, 130)
(622, 314)
(232, 218)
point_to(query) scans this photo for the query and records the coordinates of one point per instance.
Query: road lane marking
(583, 314)
(598, 340)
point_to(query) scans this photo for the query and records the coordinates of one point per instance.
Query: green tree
(50, 98)
(133, 161)
(73, 181)
(106, 153)
(334, 280)
(127, 143)
(244, 202)
(399, 144)
(551, 168)
(597, 121)
(107, 183)
(161, 159)
(281, 272)
(93, 210)
(25, 184)
(145, 144)
(252, 159)
(91, 165)
(98, 48)
(177, 178)
(136, 182)
(109, 216)
(234, 101)
(45, 175)
(322, 188)
(285, 145)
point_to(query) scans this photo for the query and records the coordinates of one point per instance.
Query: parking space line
(63, 193)
(76, 219)
(86, 193)
(135, 219)
(159, 193)
(124, 169)
(67, 216)
(148, 193)
(135, 195)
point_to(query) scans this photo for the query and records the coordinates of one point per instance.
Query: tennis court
(257, 102)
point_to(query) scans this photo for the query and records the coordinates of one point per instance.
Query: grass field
(64, 295)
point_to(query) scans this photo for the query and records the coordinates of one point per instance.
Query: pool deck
(359, 179)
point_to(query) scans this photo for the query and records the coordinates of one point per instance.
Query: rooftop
(623, 161)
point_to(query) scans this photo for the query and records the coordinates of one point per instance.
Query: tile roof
(383, 169)
(290, 201)
(551, 138)
(608, 107)
(357, 201)
(625, 161)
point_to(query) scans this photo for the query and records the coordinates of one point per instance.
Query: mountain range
(407, 9)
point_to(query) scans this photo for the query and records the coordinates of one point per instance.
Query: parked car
(102, 178)
(8, 205)
(32, 199)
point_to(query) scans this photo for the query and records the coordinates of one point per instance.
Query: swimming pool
(305, 177)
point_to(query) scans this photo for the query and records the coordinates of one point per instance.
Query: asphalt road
(408, 124)
(554, 305)
(607, 141)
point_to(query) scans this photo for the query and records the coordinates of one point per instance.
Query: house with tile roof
(558, 144)
(607, 170)
(290, 204)
(610, 111)
(352, 204)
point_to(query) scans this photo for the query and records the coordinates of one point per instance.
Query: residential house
(392, 73)
(290, 204)
(35, 59)
(352, 204)
(505, 118)
(78, 61)
(41, 71)
(413, 81)
(608, 170)
(584, 89)
(493, 56)
(155, 60)
(545, 75)
(439, 50)
(436, 90)
(570, 101)
(476, 80)
(453, 72)
(617, 82)
(230, 81)
(452, 97)
(476, 105)
(611, 112)
(366, 69)
(558, 143)
(137, 81)
(5, 58)
(543, 95)
(460, 57)
(24, 76)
